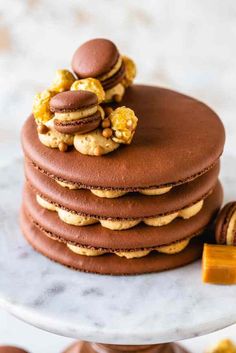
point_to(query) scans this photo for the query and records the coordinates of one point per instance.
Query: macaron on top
(70, 101)
(11, 349)
(95, 58)
(225, 228)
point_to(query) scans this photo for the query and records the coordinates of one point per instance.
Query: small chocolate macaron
(75, 112)
(225, 229)
(99, 58)
(11, 349)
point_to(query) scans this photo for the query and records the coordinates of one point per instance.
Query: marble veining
(125, 310)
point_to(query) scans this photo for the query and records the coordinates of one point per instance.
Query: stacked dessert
(120, 178)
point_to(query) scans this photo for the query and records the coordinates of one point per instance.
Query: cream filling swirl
(79, 114)
(113, 70)
(165, 249)
(73, 218)
(110, 194)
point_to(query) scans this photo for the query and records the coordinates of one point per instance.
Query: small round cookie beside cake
(145, 204)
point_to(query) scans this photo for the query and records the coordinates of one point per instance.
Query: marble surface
(128, 310)
(185, 45)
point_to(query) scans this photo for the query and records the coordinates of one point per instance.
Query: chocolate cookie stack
(145, 207)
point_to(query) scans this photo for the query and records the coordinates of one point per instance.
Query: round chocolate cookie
(71, 101)
(225, 229)
(129, 206)
(140, 237)
(81, 103)
(177, 139)
(95, 58)
(11, 349)
(109, 263)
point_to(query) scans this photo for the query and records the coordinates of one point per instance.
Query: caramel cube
(219, 264)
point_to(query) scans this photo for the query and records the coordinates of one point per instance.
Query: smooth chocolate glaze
(177, 139)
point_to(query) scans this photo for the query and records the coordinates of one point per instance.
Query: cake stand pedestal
(86, 347)
(121, 314)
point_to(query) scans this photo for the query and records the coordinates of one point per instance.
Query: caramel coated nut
(94, 143)
(106, 123)
(98, 151)
(108, 111)
(90, 84)
(41, 108)
(62, 81)
(107, 132)
(42, 129)
(123, 124)
(63, 147)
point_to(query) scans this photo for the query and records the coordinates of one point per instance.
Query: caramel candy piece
(219, 264)
(63, 147)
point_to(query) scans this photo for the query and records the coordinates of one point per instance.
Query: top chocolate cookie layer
(95, 58)
(70, 101)
(178, 139)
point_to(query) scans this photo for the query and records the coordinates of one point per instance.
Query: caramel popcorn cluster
(224, 346)
(90, 84)
(62, 81)
(117, 126)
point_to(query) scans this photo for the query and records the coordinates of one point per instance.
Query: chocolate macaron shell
(81, 126)
(95, 58)
(129, 206)
(115, 79)
(109, 263)
(222, 222)
(11, 349)
(70, 101)
(177, 139)
(139, 237)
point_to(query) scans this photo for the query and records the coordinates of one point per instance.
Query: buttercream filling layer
(115, 79)
(81, 125)
(73, 218)
(112, 194)
(113, 70)
(75, 115)
(169, 249)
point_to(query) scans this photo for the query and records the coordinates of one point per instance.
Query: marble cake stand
(146, 310)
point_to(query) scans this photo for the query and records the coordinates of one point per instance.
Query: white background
(188, 45)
